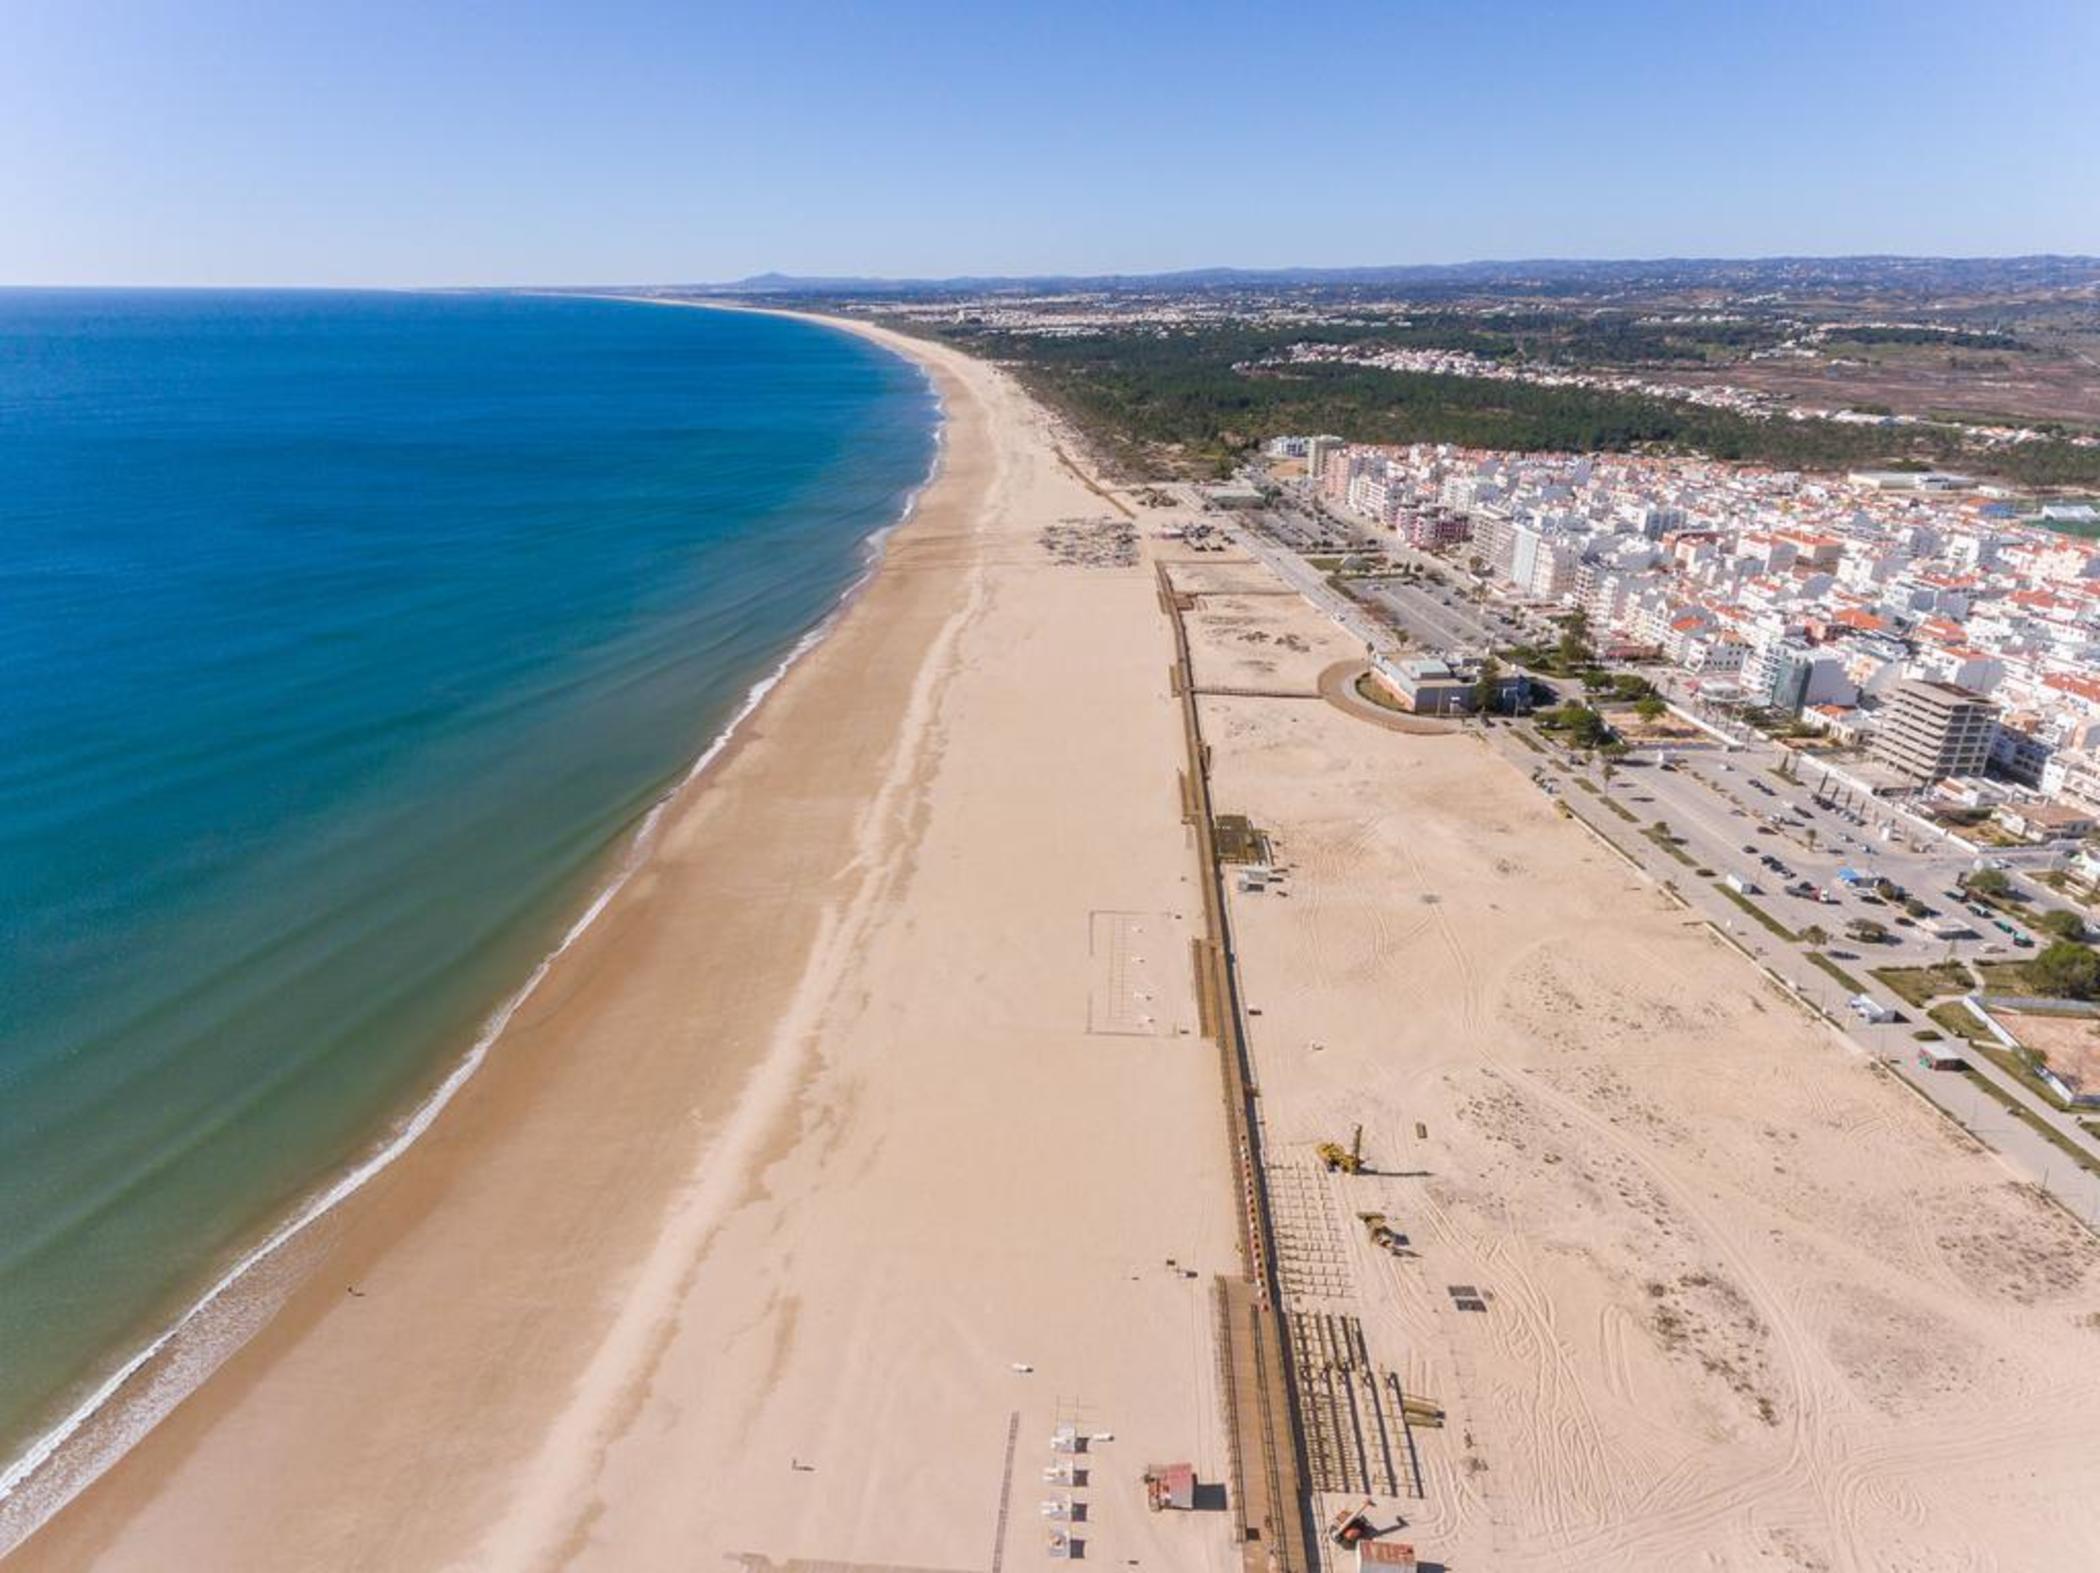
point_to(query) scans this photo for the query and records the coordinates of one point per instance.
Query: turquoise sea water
(344, 642)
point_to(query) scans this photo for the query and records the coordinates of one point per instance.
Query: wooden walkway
(1258, 693)
(1273, 1509)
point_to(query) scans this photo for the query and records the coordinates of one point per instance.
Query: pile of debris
(1092, 543)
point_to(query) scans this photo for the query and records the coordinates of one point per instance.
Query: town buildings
(1828, 598)
(1932, 730)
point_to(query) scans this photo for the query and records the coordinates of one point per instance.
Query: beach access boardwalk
(1266, 1438)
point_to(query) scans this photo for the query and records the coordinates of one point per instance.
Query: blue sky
(210, 141)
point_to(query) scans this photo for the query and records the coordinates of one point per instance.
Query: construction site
(1565, 1236)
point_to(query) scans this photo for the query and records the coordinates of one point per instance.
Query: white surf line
(24, 1469)
(544, 1497)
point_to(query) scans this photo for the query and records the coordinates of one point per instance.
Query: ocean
(347, 642)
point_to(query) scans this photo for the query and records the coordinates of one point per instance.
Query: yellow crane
(1345, 1160)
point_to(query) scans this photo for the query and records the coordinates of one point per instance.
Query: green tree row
(1183, 394)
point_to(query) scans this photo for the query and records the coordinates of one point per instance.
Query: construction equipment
(1351, 1525)
(1384, 1235)
(1344, 1160)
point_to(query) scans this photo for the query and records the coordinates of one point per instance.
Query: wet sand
(880, 1079)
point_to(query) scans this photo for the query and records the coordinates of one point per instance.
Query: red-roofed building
(2083, 692)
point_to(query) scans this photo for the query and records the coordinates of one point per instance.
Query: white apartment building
(1714, 656)
(2072, 776)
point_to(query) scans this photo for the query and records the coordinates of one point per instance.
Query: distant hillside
(1876, 274)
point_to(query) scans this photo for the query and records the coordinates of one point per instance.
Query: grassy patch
(1845, 979)
(2071, 1147)
(1757, 912)
(1916, 985)
(2004, 977)
(1668, 843)
(2015, 1065)
(1589, 786)
(1621, 810)
(2071, 890)
(2012, 902)
(1528, 740)
(1956, 1019)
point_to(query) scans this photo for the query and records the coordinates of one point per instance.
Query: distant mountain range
(1909, 275)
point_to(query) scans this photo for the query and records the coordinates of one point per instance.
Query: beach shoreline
(170, 1366)
(530, 1334)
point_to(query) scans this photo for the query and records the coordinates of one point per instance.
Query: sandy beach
(879, 1081)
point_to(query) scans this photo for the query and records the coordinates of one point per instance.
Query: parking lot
(1438, 613)
(1735, 815)
(1440, 620)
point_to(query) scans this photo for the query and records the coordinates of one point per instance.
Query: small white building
(1870, 1010)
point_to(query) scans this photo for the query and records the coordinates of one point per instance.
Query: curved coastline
(135, 1397)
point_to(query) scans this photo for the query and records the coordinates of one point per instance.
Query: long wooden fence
(1271, 1504)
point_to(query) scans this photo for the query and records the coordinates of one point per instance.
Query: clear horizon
(217, 144)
